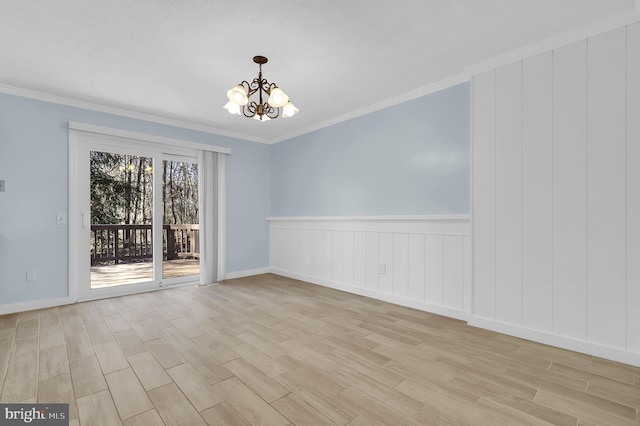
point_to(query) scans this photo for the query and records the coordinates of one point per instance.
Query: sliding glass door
(138, 208)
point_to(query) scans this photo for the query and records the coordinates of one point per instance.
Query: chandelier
(262, 110)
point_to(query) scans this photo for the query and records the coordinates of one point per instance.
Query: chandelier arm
(252, 87)
(268, 87)
(250, 110)
(271, 112)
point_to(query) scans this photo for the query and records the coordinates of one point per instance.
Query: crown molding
(398, 99)
(123, 112)
(545, 45)
(95, 106)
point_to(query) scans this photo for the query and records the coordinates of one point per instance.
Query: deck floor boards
(128, 273)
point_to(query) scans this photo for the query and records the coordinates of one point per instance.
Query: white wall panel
(509, 193)
(360, 258)
(373, 261)
(607, 188)
(385, 259)
(286, 245)
(578, 225)
(285, 255)
(453, 271)
(537, 192)
(416, 267)
(337, 253)
(275, 247)
(348, 257)
(570, 190)
(318, 253)
(433, 262)
(633, 188)
(278, 247)
(327, 257)
(400, 264)
(296, 241)
(468, 274)
(307, 246)
(297, 248)
(483, 202)
(426, 260)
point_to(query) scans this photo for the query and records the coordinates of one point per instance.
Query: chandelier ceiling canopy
(240, 103)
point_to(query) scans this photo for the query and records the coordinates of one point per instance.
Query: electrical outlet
(241, 254)
(31, 276)
(383, 269)
(2, 187)
(61, 218)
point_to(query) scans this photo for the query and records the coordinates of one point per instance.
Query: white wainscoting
(423, 262)
(556, 204)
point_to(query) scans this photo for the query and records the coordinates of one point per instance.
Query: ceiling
(175, 59)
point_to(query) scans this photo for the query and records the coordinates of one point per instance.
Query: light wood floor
(268, 350)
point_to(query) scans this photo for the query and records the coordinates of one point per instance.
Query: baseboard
(35, 304)
(397, 300)
(247, 273)
(568, 343)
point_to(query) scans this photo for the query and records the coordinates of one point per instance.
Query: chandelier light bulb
(278, 98)
(263, 117)
(238, 95)
(233, 108)
(289, 110)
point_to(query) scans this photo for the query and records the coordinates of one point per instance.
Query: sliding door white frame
(81, 138)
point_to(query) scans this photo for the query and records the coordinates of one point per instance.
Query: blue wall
(34, 164)
(410, 159)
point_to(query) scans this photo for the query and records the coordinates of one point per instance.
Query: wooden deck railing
(133, 243)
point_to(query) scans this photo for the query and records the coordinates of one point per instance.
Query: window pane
(121, 219)
(181, 233)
